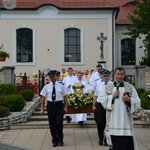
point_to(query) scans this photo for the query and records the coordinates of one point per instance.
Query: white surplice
(69, 80)
(120, 120)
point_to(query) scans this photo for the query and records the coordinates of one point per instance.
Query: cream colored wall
(48, 35)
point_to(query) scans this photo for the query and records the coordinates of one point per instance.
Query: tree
(140, 26)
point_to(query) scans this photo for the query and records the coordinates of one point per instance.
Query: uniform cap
(106, 72)
(57, 73)
(101, 71)
(52, 73)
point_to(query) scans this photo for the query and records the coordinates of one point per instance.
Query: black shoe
(105, 142)
(55, 144)
(68, 119)
(80, 124)
(61, 143)
(100, 142)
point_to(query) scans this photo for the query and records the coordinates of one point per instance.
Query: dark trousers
(55, 118)
(122, 142)
(100, 119)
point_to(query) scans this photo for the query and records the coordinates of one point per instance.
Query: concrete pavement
(74, 139)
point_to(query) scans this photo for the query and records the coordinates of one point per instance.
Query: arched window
(72, 45)
(24, 45)
(128, 52)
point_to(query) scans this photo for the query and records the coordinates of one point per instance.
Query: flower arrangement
(3, 54)
(79, 99)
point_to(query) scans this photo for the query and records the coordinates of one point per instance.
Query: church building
(58, 34)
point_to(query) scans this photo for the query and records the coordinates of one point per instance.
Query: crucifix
(101, 38)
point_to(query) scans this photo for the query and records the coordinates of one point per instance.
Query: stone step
(88, 124)
(36, 116)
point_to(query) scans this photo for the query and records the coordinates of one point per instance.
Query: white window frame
(136, 51)
(63, 50)
(15, 48)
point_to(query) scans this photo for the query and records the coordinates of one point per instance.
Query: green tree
(140, 26)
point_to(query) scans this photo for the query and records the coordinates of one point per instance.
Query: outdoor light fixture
(9, 4)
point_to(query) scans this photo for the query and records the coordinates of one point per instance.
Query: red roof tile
(65, 4)
(82, 4)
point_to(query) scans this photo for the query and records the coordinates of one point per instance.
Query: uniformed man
(95, 75)
(55, 92)
(100, 114)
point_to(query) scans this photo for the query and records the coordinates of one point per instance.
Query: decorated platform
(79, 102)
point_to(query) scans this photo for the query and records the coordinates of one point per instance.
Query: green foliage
(4, 112)
(4, 54)
(14, 102)
(2, 98)
(140, 91)
(79, 99)
(27, 94)
(145, 100)
(6, 89)
(140, 26)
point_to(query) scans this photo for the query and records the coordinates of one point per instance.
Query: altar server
(68, 81)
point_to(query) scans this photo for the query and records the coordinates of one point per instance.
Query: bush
(140, 91)
(145, 100)
(14, 102)
(4, 112)
(2, 98)
(27, 94)
(6, 89)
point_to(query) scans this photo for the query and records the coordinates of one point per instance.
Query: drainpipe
(113, 22)
(113, 38)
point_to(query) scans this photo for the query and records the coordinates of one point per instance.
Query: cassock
(120, 124)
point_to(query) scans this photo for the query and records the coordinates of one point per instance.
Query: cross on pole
(101, 38)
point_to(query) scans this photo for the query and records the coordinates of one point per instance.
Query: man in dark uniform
(55, 92)
(100, 114)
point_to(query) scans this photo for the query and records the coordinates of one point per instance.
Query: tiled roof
(65, 4)
(122, 18)
(82, 4)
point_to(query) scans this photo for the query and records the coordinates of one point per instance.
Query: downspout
(113, 37)
(113, 51)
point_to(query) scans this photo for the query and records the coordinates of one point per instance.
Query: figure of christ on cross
(101, 38)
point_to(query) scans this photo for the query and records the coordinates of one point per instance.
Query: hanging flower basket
(2, 58)
(3, 55)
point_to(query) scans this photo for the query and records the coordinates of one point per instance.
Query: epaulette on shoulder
(61, 82)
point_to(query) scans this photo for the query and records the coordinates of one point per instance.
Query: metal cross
(101, 38)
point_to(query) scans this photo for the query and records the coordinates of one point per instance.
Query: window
(72, 45)
(24, 45)
(128, 52)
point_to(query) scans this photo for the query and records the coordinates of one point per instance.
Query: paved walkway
(74, 139)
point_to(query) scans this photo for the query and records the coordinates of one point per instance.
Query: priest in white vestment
(121, 100)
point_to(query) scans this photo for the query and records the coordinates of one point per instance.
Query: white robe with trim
(120, 123)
